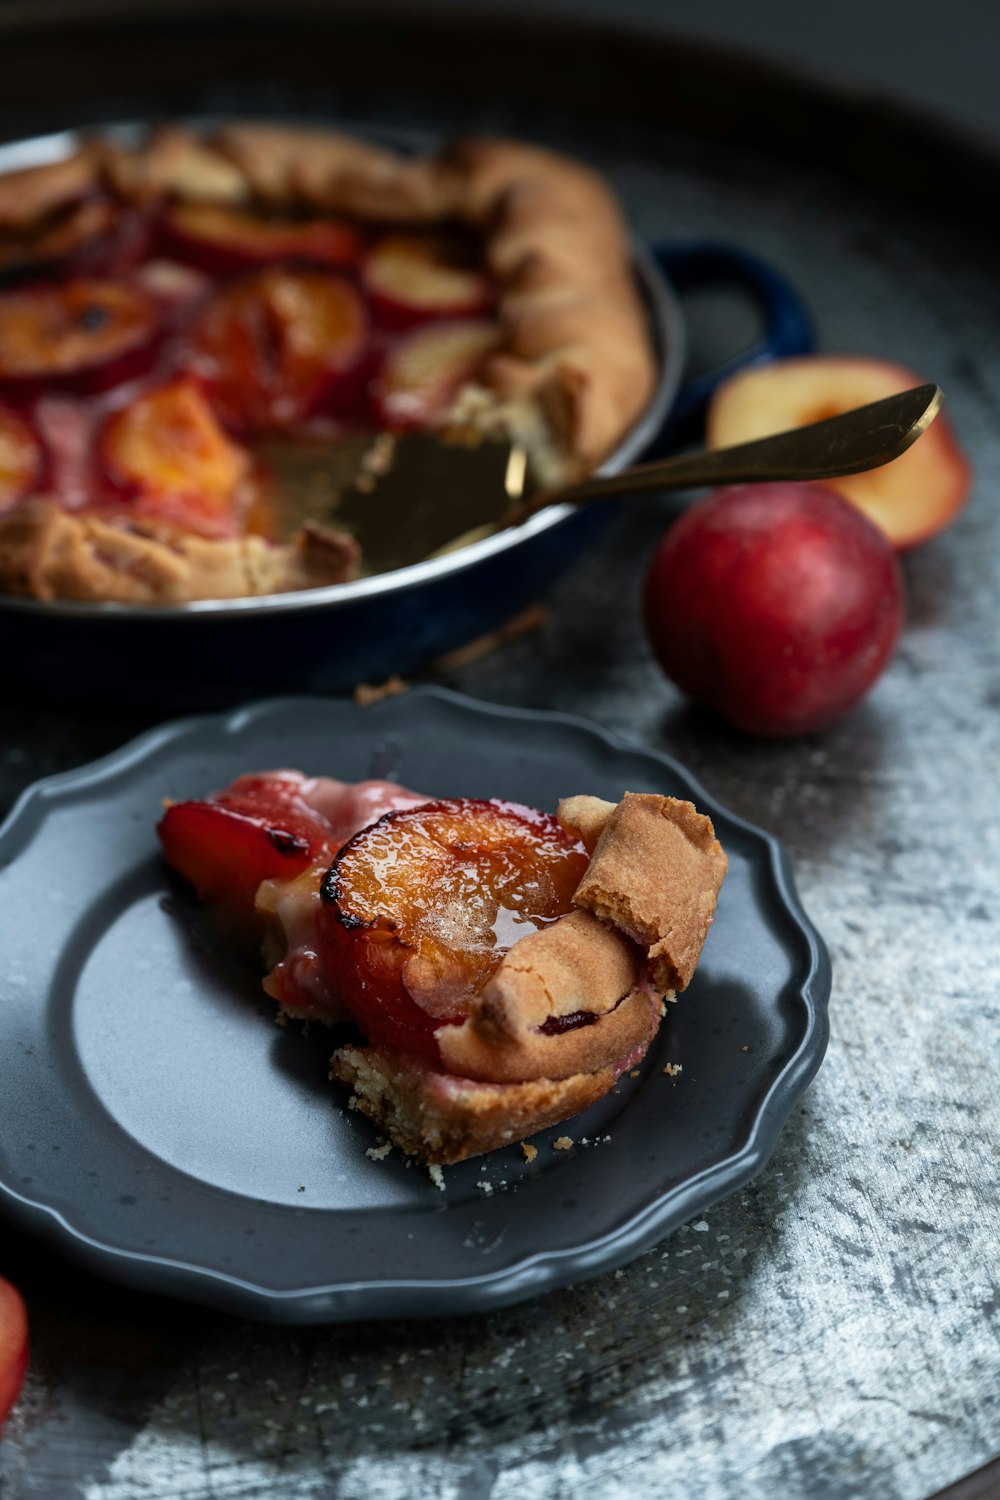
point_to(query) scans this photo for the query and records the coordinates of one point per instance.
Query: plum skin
(778, 605)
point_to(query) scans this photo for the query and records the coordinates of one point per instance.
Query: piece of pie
(190, 326)
(503, 966)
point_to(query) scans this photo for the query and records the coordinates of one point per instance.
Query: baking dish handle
(701, 264)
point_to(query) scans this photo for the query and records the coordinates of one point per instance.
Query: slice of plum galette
(503, 966)
(199, 334)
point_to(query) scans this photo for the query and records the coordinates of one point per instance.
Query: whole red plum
(778, 605)
(13, 1346)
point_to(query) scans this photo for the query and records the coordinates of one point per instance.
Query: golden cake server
(420, 494)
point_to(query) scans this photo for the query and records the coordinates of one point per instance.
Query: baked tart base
(557, 346)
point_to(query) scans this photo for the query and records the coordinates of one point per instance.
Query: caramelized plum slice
(419, 909)
(259, 828)
(217, 238)
(166, 453)
(421, 376)
(411, 278)
(22, 458)
(349, 806)
(93, 238)
(279, 344)
(86, 334)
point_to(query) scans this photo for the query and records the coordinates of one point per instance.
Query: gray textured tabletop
(832, 1330)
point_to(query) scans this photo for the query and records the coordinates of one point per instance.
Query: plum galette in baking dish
(194, 327)
(498, 967)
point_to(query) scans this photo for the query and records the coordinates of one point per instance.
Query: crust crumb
(436, 1176)
(366, 693)
(564, 1143)
(672, 1070)
(585, 818)
(529, 1152)
(379, 1152)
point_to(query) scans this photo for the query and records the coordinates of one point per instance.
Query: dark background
(942, 57)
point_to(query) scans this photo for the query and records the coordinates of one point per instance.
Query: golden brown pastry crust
(576, 966)
(574, 343)
(444, 1119)
(172, 163)
(47, 552)
(655, 874)
(585, 818)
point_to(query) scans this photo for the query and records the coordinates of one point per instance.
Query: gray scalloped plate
(156, 1124)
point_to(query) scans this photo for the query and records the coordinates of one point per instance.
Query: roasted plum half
(22, 458)
(260, 828)
(418, 910)
(416, 278)
(279, 345)
(220, 239)
(421, 376)
(95, 237)
(84, 335)
(166, 456)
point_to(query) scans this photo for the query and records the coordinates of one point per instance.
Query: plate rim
(533, 1273)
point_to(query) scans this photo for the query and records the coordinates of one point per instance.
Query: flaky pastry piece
(655, 872)
(571, 1006)
(48, 552)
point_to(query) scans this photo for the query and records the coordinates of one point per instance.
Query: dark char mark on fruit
(287, 843)
(329, 892)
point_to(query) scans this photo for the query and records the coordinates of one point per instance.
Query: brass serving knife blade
(419, 494)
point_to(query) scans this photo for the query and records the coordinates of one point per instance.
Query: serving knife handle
(864, 438)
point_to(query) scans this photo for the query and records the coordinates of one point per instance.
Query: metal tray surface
(156, 1124)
